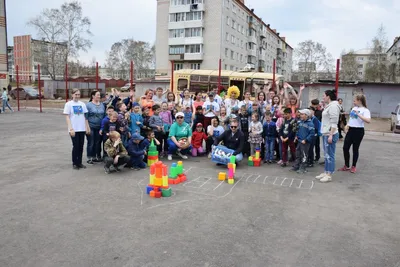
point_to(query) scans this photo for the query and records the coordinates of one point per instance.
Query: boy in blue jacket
(137, 150)
(305, 135)
(270, 133)
(317, 134)
(136, 119)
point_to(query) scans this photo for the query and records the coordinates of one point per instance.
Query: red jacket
(197, 139)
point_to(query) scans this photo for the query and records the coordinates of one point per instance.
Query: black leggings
(353, 138)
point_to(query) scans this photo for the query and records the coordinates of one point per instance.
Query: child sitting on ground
(197, 140)
(150, 136)
(116, 152)
(136, 150)
(157, 125)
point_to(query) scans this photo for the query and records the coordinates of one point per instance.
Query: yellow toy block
(158, 182)
(152, 178)
(165, 181)
(222, 176)
(231, 181)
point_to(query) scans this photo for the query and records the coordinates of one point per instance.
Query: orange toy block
(171, 181)
(152, 193)
(183, 178)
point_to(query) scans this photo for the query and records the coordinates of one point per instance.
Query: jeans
(77, 147)
(6, 104)
(301, 155)
(137, 162)
(197, 151)
(121, 161)
(269, 148)
(172, 148)
(353, 138)
(329, 152)
(310, 159)
(94, 144)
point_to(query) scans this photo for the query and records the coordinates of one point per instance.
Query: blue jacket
(269, 129)
(137, 150)
(135, 128)
(317, 126)
(305, 131)
(104, 121)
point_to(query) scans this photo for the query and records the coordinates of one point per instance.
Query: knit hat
(305, 111)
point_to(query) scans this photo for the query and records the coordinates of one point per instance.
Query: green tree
(378, 66)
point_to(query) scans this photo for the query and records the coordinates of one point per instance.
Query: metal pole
(172, 76)
(219, 74)
(40, 90)
(337, 77)
(273, 74)
(17, 87)
(131, 74)
(66, 83)
(97, 76)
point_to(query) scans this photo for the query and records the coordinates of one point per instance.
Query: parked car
(395, 122)
(126, 87)
(25, 93)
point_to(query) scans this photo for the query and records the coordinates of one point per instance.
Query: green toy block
(173, 172)
(166, 192)
(233, 159)
(250, 163)
(152, 153)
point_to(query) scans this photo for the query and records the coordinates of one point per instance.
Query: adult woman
(330, 135)
(147, 101)
(198, 100)
(246, 101)
(95, 115)
(78, 125)
(292, 100)
(171, 98)
(180, 137)
(262, 105)
(355, 132)
(4, 97)
(231, 101)
(342, 118)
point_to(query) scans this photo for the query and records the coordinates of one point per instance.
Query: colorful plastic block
(231, 181)
(158, 194)
(233, 159)
(180, 167)
(250, 163)
(257, 162)
(173, 173)
(222, 176)
(166, 192)
(182, 178)
(149, 189)
(152, 193)
(230, 173)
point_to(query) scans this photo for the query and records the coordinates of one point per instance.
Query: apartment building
(3, 45)
(29, 53)
(394, 59)
(195, 34)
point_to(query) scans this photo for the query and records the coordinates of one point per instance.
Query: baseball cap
(199, 124)
(305, 111)
(137, 136)
(179, 114)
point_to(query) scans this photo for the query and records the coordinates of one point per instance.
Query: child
(278, 144)
(111, 125)
(318, 114)
(150, 136)
(198, 118)
(166, 116)
(123, 121)
(317, 134)
(105, 120)
(188, 115)
(305, 135)
(197, 140)
(269, 130)
(214, 130)
(287, 134)
(146, 120)
(116, 152)
(244, 126)
(136, 150)
(136, 120)
(211, 110)
(157, 125)
(171, 108)
(255, 131)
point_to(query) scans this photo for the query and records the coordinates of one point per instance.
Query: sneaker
(97, 160)
(322, 175)
(301, 171)
(327, 178)
(266, 161)
(181, 155)
(283, 165)
(270, 162)
(90, 162)
(135, 168)
(169, 157)
(280, 162)
(107, 169)
(293, 169)
(344, 169)
(81, 166)
(310, 165)
(353, 169)
(75, 167)
(322, 163)
(117, 169)
(209, 155)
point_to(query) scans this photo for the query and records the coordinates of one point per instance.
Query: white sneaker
(322, 175)
(209, 155)
(169, 157)
(181, 155)
(326, 179)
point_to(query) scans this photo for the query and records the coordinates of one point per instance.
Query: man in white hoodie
(330, 134)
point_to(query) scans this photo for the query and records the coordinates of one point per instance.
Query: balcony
(197, 7)
(186, 24)
(176, 57)
(185, 41)
(252, 39)
(252, 52)
(179, 8)
(263, 33)
(193, 56)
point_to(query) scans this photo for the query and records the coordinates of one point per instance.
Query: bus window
(182, 84)
(198, 87)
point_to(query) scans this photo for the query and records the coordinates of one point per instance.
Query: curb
(373, 133)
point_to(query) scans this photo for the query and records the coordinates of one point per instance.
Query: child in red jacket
(197, 140)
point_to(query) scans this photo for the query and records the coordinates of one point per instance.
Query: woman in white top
(78, 125)
(246, 101)
(330, 135)
(355, 132)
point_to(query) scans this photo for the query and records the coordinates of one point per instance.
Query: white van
(395, 122)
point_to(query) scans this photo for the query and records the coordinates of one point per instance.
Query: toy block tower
(231, 170)
(250, 161)
(176, 175)
(152, 155)
(256, 158)
(158, 184)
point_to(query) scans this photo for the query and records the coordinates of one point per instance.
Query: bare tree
(64, 32)
(313, 58)
(377, 67)
(349, 68)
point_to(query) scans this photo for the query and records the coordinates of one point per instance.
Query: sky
(338, 25)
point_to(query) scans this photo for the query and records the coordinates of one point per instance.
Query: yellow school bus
(203, 80)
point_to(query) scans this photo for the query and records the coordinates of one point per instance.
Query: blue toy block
(148, 189)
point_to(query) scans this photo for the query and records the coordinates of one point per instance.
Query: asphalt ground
(52, 215)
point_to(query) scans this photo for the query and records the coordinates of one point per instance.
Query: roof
(256, 75)
(365, 51)
(396, 40)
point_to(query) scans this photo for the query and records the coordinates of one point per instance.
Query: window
(231, 68)
(193, 32)
(227, 37)
(225, 67)
(228, 20)
(360, 66)
(178, 66)
(227, 3)
(176, 49)
(241, 57)
(232, 39)
(192, 49)
(195, 66)
(196, 15)
(233, 24)
(241, 43)
(237, 56)
(233, 8)
(360, 58)
(360, 73)
(196, 1)
(175, 17)
(179, 2)
(232, 55)
(226, 52)
(177, 33)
